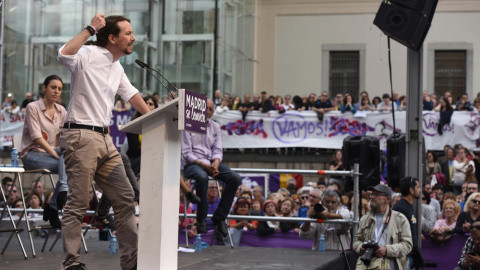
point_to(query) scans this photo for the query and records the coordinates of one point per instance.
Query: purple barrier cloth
(446, 255)
(252, 239)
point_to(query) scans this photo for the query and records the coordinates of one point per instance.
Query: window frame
(327, 48)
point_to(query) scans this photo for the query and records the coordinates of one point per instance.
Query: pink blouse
(443, 223)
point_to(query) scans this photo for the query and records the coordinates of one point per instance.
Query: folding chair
(42, 172)
(86, 228)
(185, 217)
(17, 144)
(14, 230)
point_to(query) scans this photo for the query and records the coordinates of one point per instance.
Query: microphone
(141, 64)
(149, 69)
(145, 66)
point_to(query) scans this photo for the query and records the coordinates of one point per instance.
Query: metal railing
(355, 173)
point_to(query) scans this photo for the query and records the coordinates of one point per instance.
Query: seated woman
(286, 210)
(35, 203)
(40, 142)
(278, 104)
(471, 214)
(302, 212)
(297, 203)
(18, 203)
(348, 105)
(247, 194)
(268, 227)
(236, 103)
(241, 208)
(256, 208)
(450, 211)
(366, 105)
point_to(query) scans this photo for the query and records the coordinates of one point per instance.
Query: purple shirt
(212, 206)
(205, 147)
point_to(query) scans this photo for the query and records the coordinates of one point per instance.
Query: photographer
(384, 238)
(470, 258)
(332, 210)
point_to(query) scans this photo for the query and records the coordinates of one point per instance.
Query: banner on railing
(303, 129)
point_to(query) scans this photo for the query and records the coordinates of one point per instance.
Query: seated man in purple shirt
(212, 199)
(201, 158)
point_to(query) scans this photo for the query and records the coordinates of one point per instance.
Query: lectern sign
(192, 112)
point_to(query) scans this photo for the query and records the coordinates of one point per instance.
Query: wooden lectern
(159, 186)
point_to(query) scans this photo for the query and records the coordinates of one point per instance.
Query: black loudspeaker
(364, 150)
(406, 21)
(396, 159)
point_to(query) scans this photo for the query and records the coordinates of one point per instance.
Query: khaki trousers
(91, 155)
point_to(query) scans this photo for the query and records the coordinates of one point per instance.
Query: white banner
(303, 129)
(10, 124)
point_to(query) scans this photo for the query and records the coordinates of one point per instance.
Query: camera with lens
(318, 208)
(370, 248)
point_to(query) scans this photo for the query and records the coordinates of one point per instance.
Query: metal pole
(414, 131)
(278, 218)
(215, 51)
(289, 171)
(263, 218)
(2, 22)
(356, 196)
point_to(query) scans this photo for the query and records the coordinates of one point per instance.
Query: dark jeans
(227, 176)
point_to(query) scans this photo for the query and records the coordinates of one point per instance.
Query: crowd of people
(344, 102)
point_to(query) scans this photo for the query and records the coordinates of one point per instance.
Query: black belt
(102, 130)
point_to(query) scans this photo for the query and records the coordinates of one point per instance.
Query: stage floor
(215, 257)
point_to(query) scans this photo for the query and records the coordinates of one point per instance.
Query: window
(344, 75)
(450, 72)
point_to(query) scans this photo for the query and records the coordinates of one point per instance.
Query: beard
(127, 51)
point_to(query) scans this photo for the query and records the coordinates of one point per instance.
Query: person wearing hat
(387, 228)
(411, 190)
(270, 208)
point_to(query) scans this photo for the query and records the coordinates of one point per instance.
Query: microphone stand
(340, 232)
(149, 69)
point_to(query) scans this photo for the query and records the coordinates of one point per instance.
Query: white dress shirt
(95, 81)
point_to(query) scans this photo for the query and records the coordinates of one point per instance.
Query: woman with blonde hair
(470, 214)
(450, 211)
